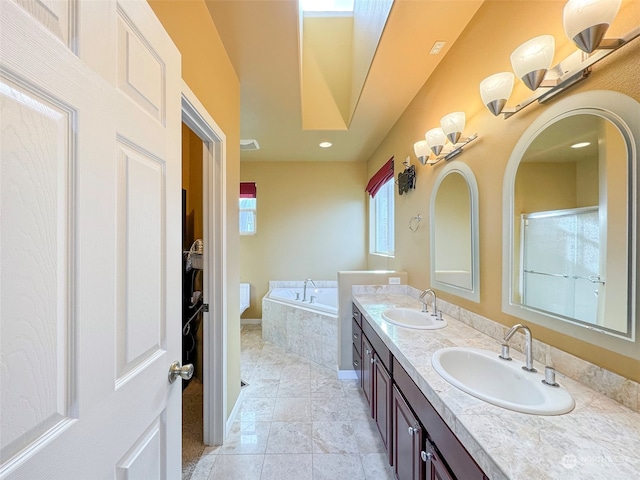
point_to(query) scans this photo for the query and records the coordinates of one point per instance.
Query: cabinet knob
(373, 360)
(355, 335)
(356, 364)
(413, 430)
(368, 352)
(426, 456)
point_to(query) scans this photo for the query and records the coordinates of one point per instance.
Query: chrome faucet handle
(550, 377)
(439, 316)
(505, 352)
(425, 307)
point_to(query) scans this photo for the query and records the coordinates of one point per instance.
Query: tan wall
(455, 86)
(310, 223)
(543, 186)
(207, 70)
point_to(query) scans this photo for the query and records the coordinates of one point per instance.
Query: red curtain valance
(247, 190)
(381, 177)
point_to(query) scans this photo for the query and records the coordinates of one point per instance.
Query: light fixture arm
(571, 70)
(457, 150)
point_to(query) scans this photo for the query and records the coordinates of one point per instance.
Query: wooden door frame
(196, 117)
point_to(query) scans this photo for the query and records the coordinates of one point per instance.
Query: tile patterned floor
(297, 422)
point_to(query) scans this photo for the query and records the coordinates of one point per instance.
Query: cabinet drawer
(356, 315)
(451, 450)
(356, 336)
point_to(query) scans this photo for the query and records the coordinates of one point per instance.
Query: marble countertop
(599, 439)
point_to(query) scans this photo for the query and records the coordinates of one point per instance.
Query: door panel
(36, 212)
(382, 403)
(144, 460)
(367, 372)
(140, 332)
(141, 71)
(57, 16)
(436, 469)
(90, 252)
(408, 438)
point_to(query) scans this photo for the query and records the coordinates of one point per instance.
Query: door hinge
(205, 307)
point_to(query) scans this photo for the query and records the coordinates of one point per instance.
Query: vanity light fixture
(496, 90)
(421, 149)
(453, 125)
(451, 128)
(532, 59)
(436, 140)
(325, 144)
(585, 23)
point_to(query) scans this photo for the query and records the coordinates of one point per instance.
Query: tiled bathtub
(299, 327)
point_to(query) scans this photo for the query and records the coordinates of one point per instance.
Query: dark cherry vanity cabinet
(375, 374)
(420, 446)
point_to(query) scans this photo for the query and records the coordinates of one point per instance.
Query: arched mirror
(454, 232)
(569, 221)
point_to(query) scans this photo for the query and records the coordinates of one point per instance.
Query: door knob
(175, 371)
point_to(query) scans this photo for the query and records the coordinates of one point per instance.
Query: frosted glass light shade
(436, 140)
(496, 90)
(532, 59)
(453, 125)
(586, 21)
(422, 151)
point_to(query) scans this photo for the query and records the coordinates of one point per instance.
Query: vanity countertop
(600, 438)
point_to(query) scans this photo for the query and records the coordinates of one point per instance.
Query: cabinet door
(407, 440)
(367, 377)
(382, 387)
(357, 364)
(435, 467)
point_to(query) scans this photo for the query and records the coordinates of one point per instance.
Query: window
(248, 203)
(381, 220)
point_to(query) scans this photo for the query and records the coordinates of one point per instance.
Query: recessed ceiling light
(325, 144)
(581, 145)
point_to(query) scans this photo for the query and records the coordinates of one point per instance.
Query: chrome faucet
(424, 303)
(304, 292)
(528, 349)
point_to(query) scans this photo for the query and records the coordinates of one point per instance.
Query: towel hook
(414, 222)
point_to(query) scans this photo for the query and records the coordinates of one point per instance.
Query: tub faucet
(424, 303)
(528, 349)
(304, 291)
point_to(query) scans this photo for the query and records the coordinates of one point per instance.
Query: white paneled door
(90, 241)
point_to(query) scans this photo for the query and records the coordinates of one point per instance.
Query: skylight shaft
(327, 5)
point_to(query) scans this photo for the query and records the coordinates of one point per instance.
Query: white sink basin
(503, 383)
(412, 318)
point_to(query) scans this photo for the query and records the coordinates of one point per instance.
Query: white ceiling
(261, 38)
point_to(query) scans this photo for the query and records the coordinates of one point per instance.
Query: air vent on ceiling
(249, 144)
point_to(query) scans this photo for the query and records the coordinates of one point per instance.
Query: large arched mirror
(454, 232)
(570, 221)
